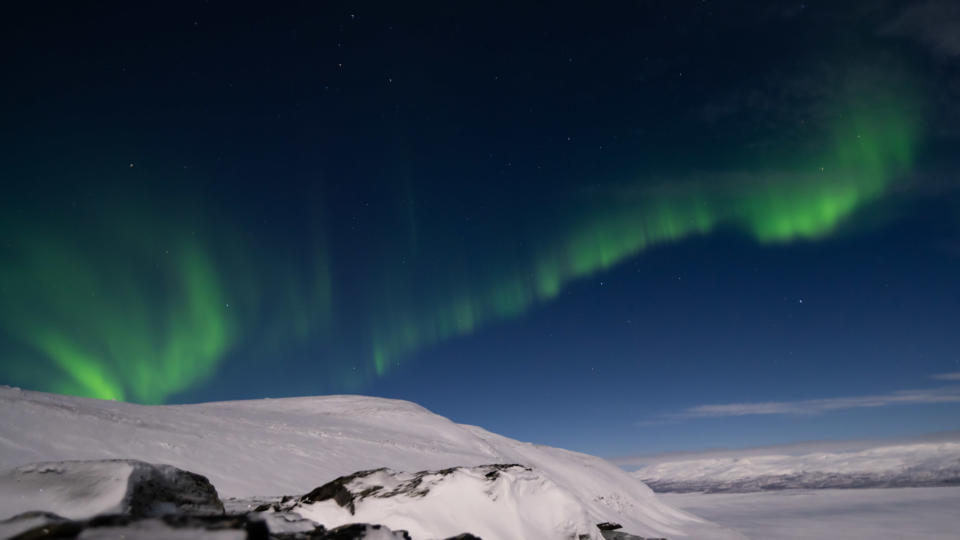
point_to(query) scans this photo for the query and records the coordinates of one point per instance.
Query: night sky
(618, 227)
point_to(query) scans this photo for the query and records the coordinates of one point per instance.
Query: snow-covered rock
(490, 501)
(83, 489)
(11, 527)
(291, 446)
(186, 527)
(910, 465)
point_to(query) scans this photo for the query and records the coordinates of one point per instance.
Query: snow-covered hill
(291, 446)
(910, 465)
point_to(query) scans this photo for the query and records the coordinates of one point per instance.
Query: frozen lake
(907, 513)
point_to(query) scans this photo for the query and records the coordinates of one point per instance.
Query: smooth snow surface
(888, 466)
(290, 446)
(70, 491)
(843, 514)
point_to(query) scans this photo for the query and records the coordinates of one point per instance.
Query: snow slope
(927, 464)
(290, 446)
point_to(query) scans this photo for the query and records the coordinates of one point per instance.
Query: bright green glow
(870, 152)
(869, 149)
(107, 331)
(88, 374)
(131, 308)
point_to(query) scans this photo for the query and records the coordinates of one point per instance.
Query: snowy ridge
(912, 465)
(490, 501)
(291, 446)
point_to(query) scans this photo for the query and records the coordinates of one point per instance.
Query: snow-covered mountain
(907, 465)
(264, 448)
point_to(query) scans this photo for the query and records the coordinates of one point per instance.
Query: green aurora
(869, 149)
(130, 308)
(111, 315)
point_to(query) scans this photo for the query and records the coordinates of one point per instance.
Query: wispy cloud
(948, 394)
(955, 376)
(792, 449)
(936, 23)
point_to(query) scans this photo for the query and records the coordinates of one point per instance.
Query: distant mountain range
(906, 465)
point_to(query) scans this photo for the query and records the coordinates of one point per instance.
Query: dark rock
(124, 525)
(156, 490)
(357, 531)
(253, 526)
(340, 491)
(607, 526)
(497, 467)
(617, 535)
(256, 529)
(337, 490)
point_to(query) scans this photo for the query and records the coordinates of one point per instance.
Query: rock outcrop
(128, 499)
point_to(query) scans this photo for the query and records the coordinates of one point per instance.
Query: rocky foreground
(132, 499)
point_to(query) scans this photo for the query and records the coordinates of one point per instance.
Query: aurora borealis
(132, 308)
(87, 311)
(866, 153)
(358, 198)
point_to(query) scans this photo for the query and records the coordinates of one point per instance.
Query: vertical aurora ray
(870, 147)
(109, 332)
(142, 308)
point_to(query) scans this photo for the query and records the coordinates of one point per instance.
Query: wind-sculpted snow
(914, 465)
(490, 501)
(291, 446)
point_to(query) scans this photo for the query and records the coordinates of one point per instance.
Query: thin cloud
(791, 449)
(935, 23)
(948, 394)
(955, 376)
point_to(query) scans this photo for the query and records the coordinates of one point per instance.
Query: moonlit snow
(848, 514)
(267, 448)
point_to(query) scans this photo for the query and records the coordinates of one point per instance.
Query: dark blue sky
(628, 228)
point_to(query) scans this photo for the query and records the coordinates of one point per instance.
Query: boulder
(83, 489)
